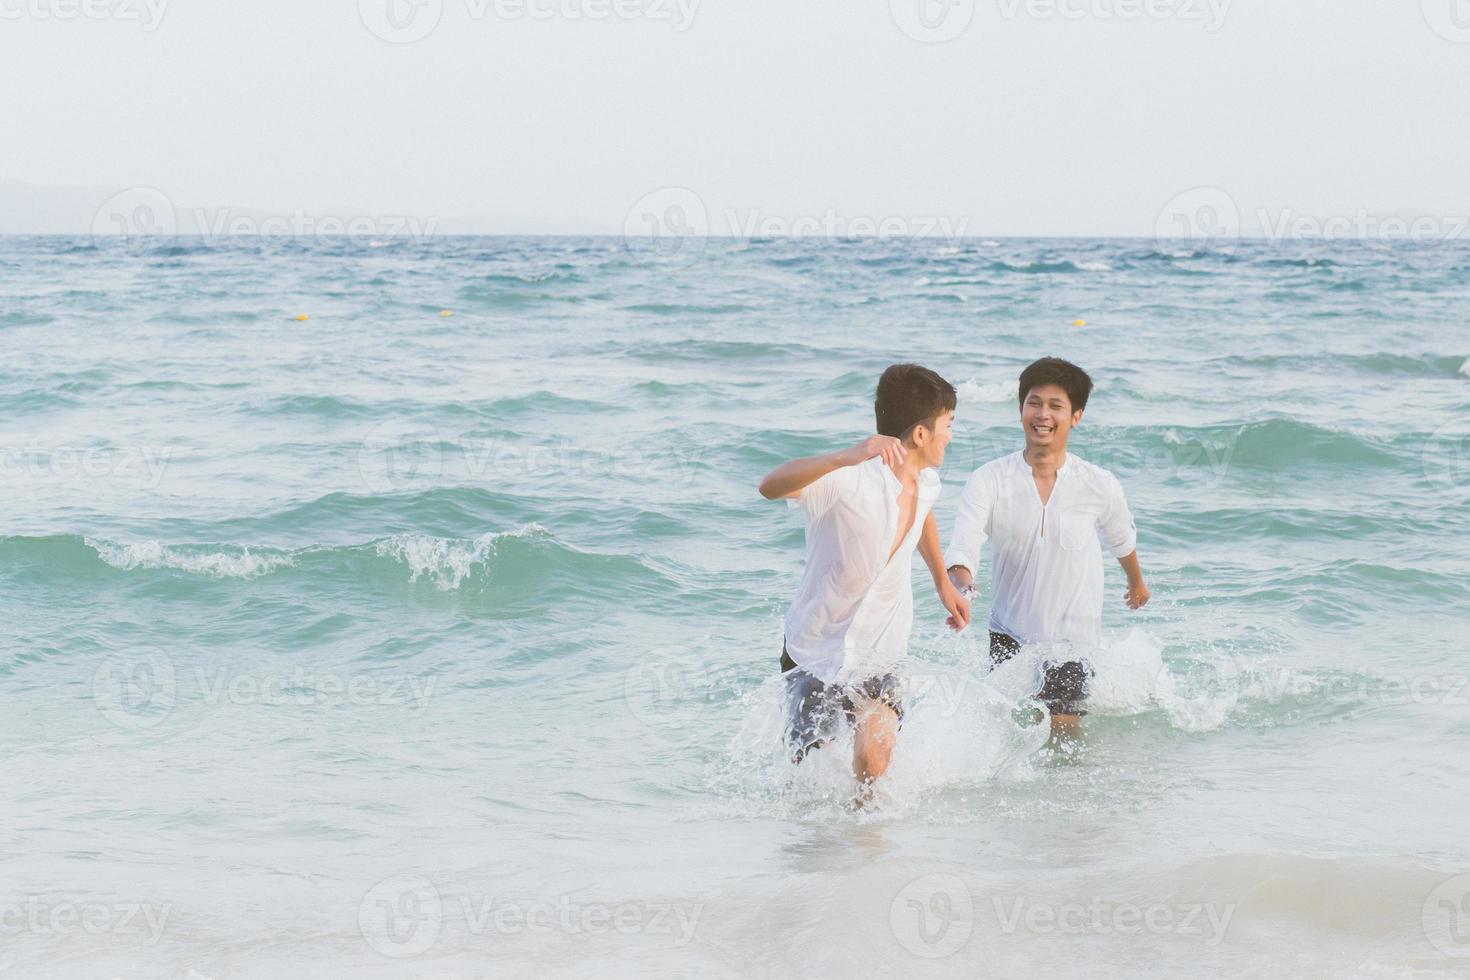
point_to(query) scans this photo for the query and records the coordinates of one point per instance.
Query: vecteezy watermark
(403, 916)
(1287, 224)
(136, 218)
(143, 465)
(397, 454)
(932, 21)
(1450, 19)
(670, 223)
(1212, 216)
(304, 226)
(668, 687)
(1200, 214)
(408, 21)
(1446, 917)
(1202, 459)
(505, 459)
(1206, 921)
(832, 224)
(1446, 455)
(933, 916)
(675, 223)
(1210, 13)
(35, 914)
(142, 218)
(147, 13)
(1347, 689)
(145, 692)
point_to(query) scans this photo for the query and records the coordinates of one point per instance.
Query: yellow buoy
(446, 313)
(302, 318)
(1079, 323)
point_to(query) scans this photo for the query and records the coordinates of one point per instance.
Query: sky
(938, 117)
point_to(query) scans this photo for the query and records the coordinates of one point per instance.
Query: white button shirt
(855, 607)
(1048, 573)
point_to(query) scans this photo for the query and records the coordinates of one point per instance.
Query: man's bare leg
(1066, 725)
(872, 744)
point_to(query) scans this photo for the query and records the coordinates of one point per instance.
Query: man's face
(1047, 417)
(931, 443)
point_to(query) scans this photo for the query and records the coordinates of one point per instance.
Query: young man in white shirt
(1044, 512)
(867, 509)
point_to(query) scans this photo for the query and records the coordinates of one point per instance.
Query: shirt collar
(1025, 466)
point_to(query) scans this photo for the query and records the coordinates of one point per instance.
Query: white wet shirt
(1048, 571)
(853, 612)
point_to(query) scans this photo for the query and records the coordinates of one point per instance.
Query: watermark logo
(135, 219)
(671, 222)
(397, 454)
(1201, 214)
(933, 916)
(141, 465)
(1446, 917)
(1210, 13)
(42, 917)
(147, 13)
(1446, 455)
(834, 225)
(404, 916)
(408, 21)
(668, 687)
(932, 21)
(136, 692)
(401, 917)
(401, 21)
(1098, 916)
(1450, 19)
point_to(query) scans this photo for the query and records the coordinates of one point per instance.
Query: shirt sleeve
(1115, 525)
(819, 495)
(972, 524)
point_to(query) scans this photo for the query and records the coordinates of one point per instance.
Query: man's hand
(1137, 595)
(889, 448)
(961, 577)
(958, 606)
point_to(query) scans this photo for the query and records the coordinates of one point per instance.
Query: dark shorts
(1064, 687)
(815, 710)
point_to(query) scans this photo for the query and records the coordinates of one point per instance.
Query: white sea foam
(219, 564)
(447, 561)
(1094, 267)
(1465, 368)
(977, 391)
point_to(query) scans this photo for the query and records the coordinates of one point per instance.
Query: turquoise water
(389, 643)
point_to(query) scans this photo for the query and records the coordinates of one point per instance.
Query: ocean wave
(448, 562)
(196, 560)
(973, 390)
(1270, 444)
(511, 566)
(1036, 267)
(685, 309)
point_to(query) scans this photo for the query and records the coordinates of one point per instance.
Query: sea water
(436, 634)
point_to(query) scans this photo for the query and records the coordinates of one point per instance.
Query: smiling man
(1044, 512)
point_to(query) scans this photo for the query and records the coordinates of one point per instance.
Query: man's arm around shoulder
(791, 478)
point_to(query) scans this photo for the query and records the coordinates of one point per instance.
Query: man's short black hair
(1055, 371)
(909, 394)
